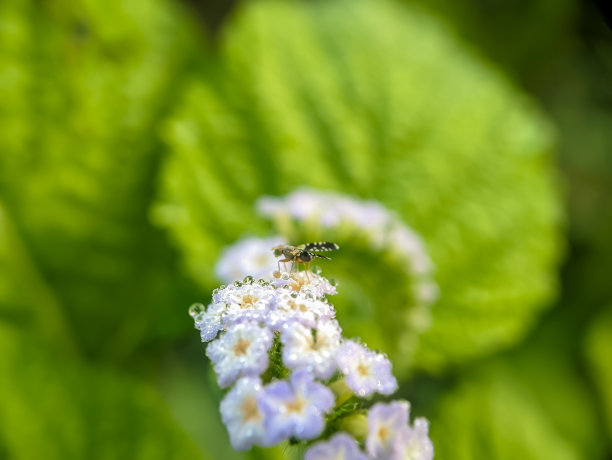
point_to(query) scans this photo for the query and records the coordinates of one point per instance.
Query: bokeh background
(136, 136)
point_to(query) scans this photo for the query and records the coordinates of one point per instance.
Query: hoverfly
(304, 253)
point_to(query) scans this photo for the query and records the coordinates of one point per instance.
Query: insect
(303, 254)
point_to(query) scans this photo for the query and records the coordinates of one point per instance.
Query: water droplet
(199, 317)
(294, 295)
(286, 286)
(285, 276)
(316, 270)
(248, 279)
(309, 296)
(262, 282)
(333, 282)
(215, 291)
(237, 283)
(195, 309)
(223, 286)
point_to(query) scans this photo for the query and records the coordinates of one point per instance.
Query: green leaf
(82, 87)
(54, 408)
(598, 352)
(53, 404)
(25, 300)
(531, 405)
(313, 93)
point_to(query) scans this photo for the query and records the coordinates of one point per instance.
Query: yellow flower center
(383, 433)
(248, 301)
(241, 347)
(297, 306)
(363, 369)
(295, 406)
(249, 409)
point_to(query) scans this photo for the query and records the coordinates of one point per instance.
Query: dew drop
(333, 282)
(223, 286)
(215, 291)
(199, 317)
(262, 282)
(294, 295)
(316, 270)
(248, 279)
(195, 309)
(238, 283)
(285, 276)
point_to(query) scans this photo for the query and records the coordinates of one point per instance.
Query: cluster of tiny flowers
(248, 256)
(382, 227)
(390, 437)
(276, 346)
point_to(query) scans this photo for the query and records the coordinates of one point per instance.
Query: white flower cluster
(390, 437)
(248, 256)
(278, 347)
(383, 228)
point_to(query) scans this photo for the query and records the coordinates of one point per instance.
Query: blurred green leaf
(82, 86)
(317, 94)
(599, 353)
(25, 300)
(55, 408)
(531, 405)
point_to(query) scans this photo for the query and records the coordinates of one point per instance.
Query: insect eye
(277, 252)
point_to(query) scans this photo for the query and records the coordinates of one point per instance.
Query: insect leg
(283, 261)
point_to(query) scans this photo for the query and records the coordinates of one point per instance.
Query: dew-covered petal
(341, 446)
(413, 443)
(241, 351)
(242, 416)
(384, 423)
(366, 372)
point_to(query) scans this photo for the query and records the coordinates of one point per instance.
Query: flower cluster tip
(276, 345)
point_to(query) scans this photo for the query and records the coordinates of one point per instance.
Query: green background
(136, 136)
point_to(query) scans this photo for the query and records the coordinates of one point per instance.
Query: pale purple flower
(247, 316)
(309, 284)
(311, 348)
(297, 408)
(210, 322)
(369, 216)
(241, 351)
(280, 280)
(314, 284)
(250, 256)
(427, 292)
(341, 446)
(300, 204)
(381, 227)
(249, 302)
(235, 292)
(241, 414)
(366, 372)
(327, 208)
(413, 443)
(385, 421)
(290, 308)
(407, 242)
